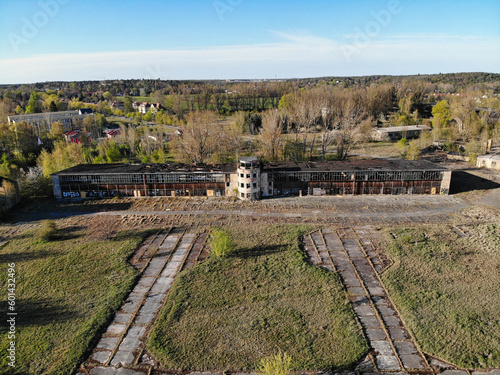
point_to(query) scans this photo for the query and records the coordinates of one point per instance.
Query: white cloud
(296, 55)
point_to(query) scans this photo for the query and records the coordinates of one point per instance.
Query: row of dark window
(148, 178)
(355, 176)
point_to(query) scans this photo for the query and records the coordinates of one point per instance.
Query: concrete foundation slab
(108, 343)
(352, 281)
(146, 281)
(140, 289)
(101, 357)
(160, 288)
(116, 329)
(145, 318)
(491, 372)
(399, 334)
(385, 362)
(158, 298)
(135, 332)
(412, 361)
(392, 321)
(382, 347)
(149, 308)
(376, 291)
(364, 310)
(375, 334)
(386, 311)
(405, 347)
(357, 291)
(129, 344)
(365, 365)
(169, 271)
(122, 318)
(454, 372)
(114, 371)
(131, 304)
(369, 322)
(123, 357)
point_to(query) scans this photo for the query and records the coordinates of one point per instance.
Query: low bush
(48, 231)
(279, 364)
(221, 243)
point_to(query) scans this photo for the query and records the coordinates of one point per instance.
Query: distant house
(85, 111)
(113, 133)
(156, 107)
(490, 161)
(75, 136)
(395, 133)
(146, 107)
(117, 105)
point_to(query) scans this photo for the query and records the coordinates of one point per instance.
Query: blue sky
(43, 40)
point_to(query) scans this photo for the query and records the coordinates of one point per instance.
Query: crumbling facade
(252, 180)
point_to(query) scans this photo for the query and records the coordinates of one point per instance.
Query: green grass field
(446, 288)
(66, 290)
(228, 314)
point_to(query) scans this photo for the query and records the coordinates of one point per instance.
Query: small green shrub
(48, 231)
(279, 364)
(221, 242)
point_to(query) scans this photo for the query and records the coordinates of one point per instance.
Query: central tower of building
(249, 178)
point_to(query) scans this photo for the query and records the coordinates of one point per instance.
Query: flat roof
(347, 166)
(86, 169)
(489, 157)
(402, 128)
(354, 165)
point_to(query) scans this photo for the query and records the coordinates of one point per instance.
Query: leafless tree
(199, 137)
(271, 135)
(304, 108)
(350, 115)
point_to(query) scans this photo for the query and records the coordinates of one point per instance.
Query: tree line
(282, 121)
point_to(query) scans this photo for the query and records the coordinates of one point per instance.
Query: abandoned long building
(251, 179)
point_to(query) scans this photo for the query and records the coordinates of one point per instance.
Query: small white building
(490, 161)
(395, 133)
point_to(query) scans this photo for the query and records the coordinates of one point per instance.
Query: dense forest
(217, 121)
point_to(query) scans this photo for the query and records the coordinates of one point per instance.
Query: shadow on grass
(24, 256)
(40, 312)
(463, 181)
(259, 251)
(68, 233)
(49, 208)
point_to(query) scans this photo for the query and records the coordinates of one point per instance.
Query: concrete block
(108, 343)
(101, 357)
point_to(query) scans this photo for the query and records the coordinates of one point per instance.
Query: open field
(230, 313)
(445, 282)
(380, 149)
(66, 291)
(70, 287)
